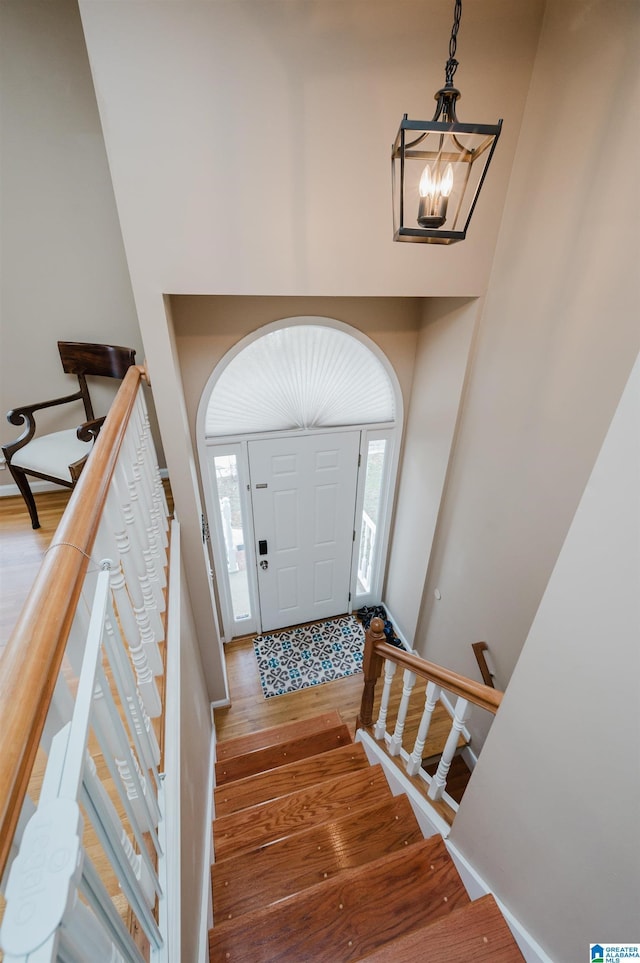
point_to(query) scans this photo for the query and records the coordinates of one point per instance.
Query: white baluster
(145, 680)
(114, 747)
(135, 876)
(381, 725)
(27, 811)
(414, 762)
(140, 869)
(439, 781)
(395, 745)
(146, 518)
(60, 712)
(132, 592)
(141, 534)
(105, 547)
(148, 801)
(150, 456)
(77, 638)
(106, 913)
(132, 557)
(44, 876)
(139, 721)
(148, 461)
(83, 938)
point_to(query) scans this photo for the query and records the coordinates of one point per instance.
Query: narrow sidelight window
(373, 488)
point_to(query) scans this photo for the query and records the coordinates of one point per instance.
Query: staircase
(316, 860)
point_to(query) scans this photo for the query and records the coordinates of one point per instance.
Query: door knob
(264, 564)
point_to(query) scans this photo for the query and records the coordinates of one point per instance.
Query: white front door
(303, 491)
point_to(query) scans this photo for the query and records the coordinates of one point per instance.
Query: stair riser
(276, 736)
(262, 760)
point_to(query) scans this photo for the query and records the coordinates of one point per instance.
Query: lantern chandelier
(437, 176)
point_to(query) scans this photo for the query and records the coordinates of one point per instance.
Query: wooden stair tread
(475, 932)
(349, 916)
(273, 756)
(291, 864)
(286, 779)
(276, 735)
(252, 827)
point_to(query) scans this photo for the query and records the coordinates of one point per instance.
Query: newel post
(371, 667)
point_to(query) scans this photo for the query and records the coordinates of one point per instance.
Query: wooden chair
(60, 456)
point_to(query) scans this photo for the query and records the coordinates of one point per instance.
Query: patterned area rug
(309, 655)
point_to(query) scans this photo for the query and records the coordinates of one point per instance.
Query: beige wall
(550, 817)
(195, 743)
(441, 363)
(207, 327)
(556, 340)
(250, 142)
(64, 273)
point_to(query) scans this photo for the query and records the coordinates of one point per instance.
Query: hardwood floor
(22, 550)
(250, 711)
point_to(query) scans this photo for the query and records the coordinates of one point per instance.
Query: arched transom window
(300, 377)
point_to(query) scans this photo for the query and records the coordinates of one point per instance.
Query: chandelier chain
(452, 63)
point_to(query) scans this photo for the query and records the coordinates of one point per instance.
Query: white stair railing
(440, 683)
(414, 762)
(395, 742)
(91, 855)
(439, 781)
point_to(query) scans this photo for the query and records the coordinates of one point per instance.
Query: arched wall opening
(308, 390)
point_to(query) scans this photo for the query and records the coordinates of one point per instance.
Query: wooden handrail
(376, 650)
(479, 649)
(34, 653)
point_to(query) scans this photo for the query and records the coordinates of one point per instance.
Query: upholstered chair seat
(52, 454)
(60, 455)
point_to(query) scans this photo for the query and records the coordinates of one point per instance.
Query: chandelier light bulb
(427, 185)
(446, 181)
(434, 190)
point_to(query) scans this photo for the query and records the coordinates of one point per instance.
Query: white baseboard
(219, 704)
(172, 903)
(37, 487)
(397, 631)
(477, 887)
(206, 901)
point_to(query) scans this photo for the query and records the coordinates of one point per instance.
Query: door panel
(323, 584)
(303, 492)
(285, 517)
(287, 589)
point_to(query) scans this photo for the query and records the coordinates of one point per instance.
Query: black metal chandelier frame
(450, 149)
